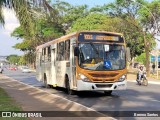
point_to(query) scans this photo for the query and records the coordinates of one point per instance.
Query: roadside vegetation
(8, 104)
(42, 21)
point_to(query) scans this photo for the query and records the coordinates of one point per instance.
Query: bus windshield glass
(101, 57)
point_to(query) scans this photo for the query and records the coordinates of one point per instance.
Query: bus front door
(73, 67)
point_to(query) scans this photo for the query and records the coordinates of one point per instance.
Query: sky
(11, 23)
(7, 41)
(90, 3)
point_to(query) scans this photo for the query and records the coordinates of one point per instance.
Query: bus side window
(49, 54)
(40, 58)
(61, 53)
(57, 56)
(67, 49)
(43, 55)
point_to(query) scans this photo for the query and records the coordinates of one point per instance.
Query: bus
(84, 61)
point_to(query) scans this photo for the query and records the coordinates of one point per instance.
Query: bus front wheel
(68, 90)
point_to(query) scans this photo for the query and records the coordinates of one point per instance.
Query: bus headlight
(122, 78)
(84, 78)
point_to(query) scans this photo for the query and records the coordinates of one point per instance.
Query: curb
(149, 82)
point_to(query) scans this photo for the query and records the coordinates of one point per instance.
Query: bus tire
(45, 81)
(109, 92)
(68, 90)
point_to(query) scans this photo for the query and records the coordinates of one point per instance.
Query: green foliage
(95, 21)
(90, 22)
(98, 9)
(29, 58)
(149, 16)
(132, 26)
(1, 15)
(45, 30)
(141, 58)
(13, 59)
(27, 11)
(18, 33)
(68, 14)
(75, 12)
(22, 61)
(26, 45)
(49, 30)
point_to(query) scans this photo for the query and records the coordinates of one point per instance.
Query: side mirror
(76, 51)
(128, 54)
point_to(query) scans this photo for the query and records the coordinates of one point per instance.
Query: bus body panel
(60, 73)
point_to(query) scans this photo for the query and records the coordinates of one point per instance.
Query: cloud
(11, 22)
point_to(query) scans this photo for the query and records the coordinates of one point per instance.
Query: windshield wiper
(94, 48)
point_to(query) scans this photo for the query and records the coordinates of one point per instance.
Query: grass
(8, 104)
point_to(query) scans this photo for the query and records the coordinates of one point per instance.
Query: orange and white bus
(84, 61)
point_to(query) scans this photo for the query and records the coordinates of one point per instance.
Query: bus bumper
(90, 86)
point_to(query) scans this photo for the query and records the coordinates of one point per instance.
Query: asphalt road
(135, 98)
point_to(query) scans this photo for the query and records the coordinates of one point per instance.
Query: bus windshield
(101, 57)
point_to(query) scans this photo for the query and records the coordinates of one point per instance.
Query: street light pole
(157, 60)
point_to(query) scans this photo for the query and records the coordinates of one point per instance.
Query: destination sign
(100, 37)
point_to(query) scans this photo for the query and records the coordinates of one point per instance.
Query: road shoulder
(35, 99)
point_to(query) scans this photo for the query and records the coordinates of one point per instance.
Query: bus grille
(103, 86)
(103, 75)
(109, 78)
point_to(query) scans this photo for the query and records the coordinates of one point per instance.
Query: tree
(68, 14)
(30, 59)
(150, 17)
(95, 21)
(128, 11)
(13, 59)
(27, 12)
(141, 58)
(45, 30)
(22, 61)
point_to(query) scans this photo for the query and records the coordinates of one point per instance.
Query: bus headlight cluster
(84, 78)
(122, 78)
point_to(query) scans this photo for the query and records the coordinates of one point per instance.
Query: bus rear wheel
(68, 90)
(109, 92)
(45, 82)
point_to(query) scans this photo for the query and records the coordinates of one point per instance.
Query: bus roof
(115, 33)
(55, 40)
(72, 34)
